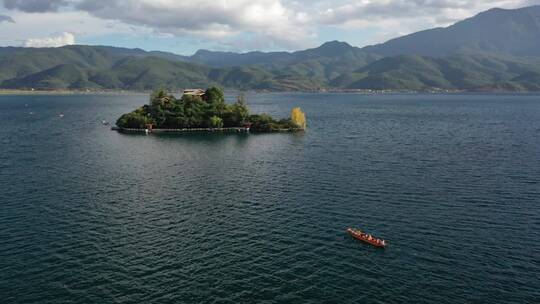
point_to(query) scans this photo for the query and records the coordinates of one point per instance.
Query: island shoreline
(201, 130)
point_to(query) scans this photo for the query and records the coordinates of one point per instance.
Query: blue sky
(237, 25)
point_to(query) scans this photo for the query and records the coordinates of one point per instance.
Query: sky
(183, 27)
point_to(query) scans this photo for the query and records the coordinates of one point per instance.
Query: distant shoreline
(329, 91)
(69, 92)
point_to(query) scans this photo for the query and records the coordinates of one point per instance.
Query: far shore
(69, 92)
(322, 91)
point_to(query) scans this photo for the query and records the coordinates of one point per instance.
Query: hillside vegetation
(495, 50)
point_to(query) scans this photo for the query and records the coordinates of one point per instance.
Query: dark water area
(88, 215)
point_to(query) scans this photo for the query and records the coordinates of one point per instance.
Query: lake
(452, 182)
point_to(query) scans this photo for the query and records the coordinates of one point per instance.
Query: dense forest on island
(209, 110)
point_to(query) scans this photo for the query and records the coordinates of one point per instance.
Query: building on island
(194, 92)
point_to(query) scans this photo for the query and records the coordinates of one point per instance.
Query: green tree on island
(216, 122)
(216, 100)
(208, 110)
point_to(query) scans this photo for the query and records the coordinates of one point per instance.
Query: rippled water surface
(88, 215)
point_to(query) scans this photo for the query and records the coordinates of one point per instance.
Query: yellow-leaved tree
(298, 117)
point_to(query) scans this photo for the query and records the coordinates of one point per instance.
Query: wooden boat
(367, 238)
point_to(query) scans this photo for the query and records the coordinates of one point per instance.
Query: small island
(203, 110)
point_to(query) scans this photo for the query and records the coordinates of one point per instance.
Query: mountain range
(494, 50)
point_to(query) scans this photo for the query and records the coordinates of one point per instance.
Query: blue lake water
(88, 215)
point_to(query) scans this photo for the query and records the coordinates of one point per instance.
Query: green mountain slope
(511, 32)
(101, 67)
(87, 68)
(96, 67)
(495, 50)
(461, 71)
(152, 72)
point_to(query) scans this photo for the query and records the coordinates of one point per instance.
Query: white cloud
(287, 23)
(266, 24)
(392, 18)
(437, 12)
(211, 19)
(55, 41)
(80, 24)
(269, 20)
